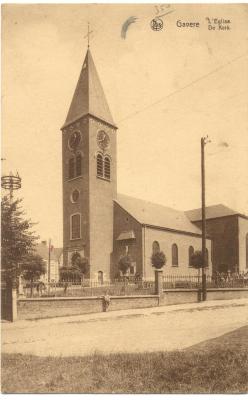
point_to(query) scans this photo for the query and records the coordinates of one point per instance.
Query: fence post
(159, 281)
(11, 303)
(14, 305)
(20, 288)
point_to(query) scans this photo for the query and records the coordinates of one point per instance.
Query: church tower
(89, 174)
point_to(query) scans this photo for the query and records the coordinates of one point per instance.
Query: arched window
(206, 258)
(75, 226)
(191, 252)
(247, 250)
(78, 165)
(100, 277)
(71, 168)
(106, 168)
(99, 165)
(174, 255)
(155, 247)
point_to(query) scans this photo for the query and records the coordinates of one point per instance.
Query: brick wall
(61, 307)
(58, 307)
(79, 183)
(123, 221)
(125, 303)
(224, 233)
(227, 294)
(179, 296)
(243, 244)
(101, 195)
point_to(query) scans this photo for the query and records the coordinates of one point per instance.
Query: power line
(184, 87)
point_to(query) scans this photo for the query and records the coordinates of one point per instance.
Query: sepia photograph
(124, 207)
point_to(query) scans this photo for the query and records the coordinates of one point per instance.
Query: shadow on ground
(214, 366)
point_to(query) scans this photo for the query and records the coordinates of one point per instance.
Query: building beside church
(229, 232)
(56, 260)
(100, 224)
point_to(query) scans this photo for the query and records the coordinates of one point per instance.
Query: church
(99, 223)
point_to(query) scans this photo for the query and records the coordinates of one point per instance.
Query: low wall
(124, 303)
(227, 293)
(66, 306)
(57, 307)
(179, 296)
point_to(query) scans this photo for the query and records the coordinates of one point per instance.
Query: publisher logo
(157, 24)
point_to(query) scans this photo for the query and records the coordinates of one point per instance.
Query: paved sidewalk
(137, 330)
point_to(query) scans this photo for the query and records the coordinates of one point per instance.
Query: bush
(196, 259)
(125, 263)
(158, 259)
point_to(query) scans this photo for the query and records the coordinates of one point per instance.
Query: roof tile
(148, 213)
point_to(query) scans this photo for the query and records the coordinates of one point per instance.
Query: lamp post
(204, 141)
(11, 182)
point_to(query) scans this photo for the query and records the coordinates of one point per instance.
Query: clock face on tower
(74, 140)
(103, 140)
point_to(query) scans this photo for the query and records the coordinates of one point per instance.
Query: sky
(166, 89)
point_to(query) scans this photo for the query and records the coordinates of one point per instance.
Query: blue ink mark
(125, 26)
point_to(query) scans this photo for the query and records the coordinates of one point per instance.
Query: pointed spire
(89, 97)
(88, 35)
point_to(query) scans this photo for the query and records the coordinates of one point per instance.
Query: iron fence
(88, 288)
(213, 281)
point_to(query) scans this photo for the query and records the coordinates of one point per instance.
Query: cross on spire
(88, 35)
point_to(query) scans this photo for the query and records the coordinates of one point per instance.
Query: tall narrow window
(174, 255)
(99, 165)
(191, 252)
(106, 168)
(78, 165)
(155, 247)
(71, 168)
(76, 226)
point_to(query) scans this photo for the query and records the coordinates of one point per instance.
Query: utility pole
(11, 182)
(204, 141)
(49, 264)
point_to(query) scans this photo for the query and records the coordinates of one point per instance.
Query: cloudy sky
(165, 89)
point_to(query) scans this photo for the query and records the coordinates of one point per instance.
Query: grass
(215, 366)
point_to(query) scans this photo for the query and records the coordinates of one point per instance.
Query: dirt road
(153, 329)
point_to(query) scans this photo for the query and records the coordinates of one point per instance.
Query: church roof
(89, 97)
(42, 250)
(126, 235)
(157, 215)
(216, 211)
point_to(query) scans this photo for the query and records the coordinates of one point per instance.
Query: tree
(78, 269)
(33, 268)
(125, 262)
(196, 259)
(80, 264)
(158, 259)
(17, 239)
(197, 262)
